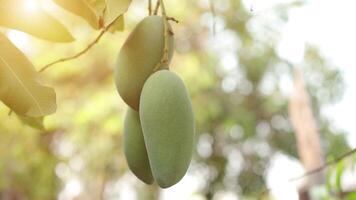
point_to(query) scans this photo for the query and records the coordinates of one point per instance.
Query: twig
(167, 31)
(173, 19)
(149, 7)
(327, 164)
(101, 18)
(80, 53)
(157, 7)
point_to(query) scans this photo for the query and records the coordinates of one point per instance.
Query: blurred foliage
(239, 89)
(335, 180)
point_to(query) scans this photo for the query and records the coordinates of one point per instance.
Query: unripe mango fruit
(134, 147)
(168, 126)
(139, 56)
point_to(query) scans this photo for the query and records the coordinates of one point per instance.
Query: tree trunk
(306, 133)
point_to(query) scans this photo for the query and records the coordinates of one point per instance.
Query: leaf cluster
(21, 88)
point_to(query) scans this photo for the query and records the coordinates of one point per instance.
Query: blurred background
(272, 86)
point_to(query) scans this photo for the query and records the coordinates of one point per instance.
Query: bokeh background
(237, 59)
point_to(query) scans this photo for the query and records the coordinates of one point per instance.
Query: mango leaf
(98, 5)
(340, 168)
(82, 9)
(107, 12)
(19, 86)
(119, 25)
(351, 196)
(329, 184)
(34, 122)
(115, 8)
(18, 14)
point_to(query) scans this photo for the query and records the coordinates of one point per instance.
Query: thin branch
(80, 53)
(327, 164)
(149, 7)
(157, 7)
(317, 170)
(173, 19)
(165, 58)
(101, 19)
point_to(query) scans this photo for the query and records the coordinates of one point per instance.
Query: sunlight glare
(31, 5)
(281, 169)
(20, 39)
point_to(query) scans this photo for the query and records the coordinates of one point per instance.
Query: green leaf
(34, 122)
(351, 196)
(112, 9)
(338, 176)
(19, 86)
(81, 8)
(16, 14)
(328, 183)
(119, 25)
(115, 8)
(98, 5)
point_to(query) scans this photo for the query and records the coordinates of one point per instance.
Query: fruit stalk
(163, 64)
(149, 7)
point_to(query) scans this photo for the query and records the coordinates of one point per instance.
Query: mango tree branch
(326, 165)
(317, 170)
(157, 7)
(149, 7)
(86, 49)
(165, 58)
(172, 19)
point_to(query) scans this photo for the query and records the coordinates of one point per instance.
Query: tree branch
(165, 58)
(319, 169)
(327, 164)
(172, 19)
(86, 49)
(157, 7)
(149, 7)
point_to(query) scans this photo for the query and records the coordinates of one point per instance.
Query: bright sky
(329, 24)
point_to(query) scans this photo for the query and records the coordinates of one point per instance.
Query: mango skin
(168, 126)
(138, 57)
(134, 147)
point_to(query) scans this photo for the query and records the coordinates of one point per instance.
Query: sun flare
(20, 39)
(31, 5)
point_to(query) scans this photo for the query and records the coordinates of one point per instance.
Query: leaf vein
(23, 86)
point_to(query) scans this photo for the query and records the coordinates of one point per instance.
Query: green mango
(168, 126)
(139, 56)
(134, 147)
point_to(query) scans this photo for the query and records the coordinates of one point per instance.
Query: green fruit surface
(134, 147)
(138, 58)
(168, 126)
